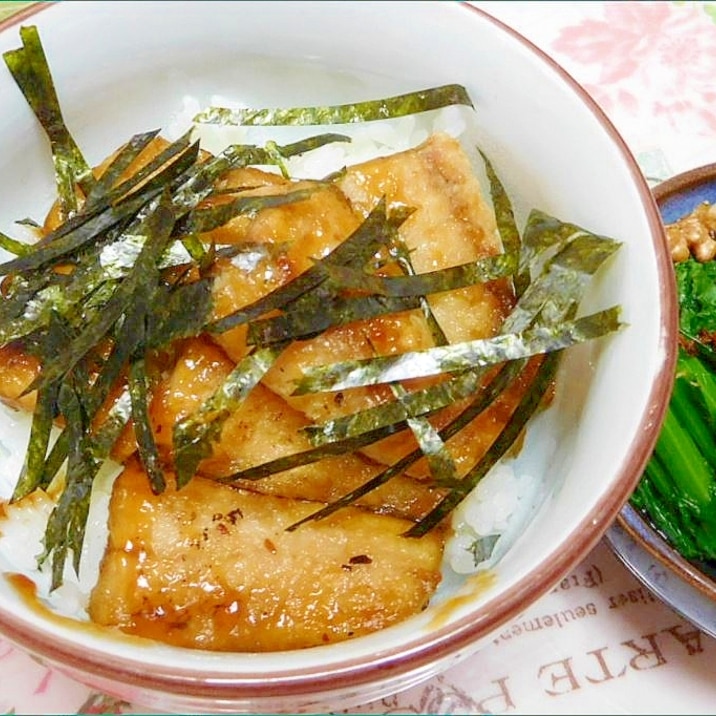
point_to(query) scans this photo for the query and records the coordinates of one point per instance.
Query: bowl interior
(553, 149)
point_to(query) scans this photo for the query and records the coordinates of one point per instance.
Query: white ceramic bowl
(126, 67)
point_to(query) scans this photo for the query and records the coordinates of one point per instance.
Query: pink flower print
(655, 59)
(44, 683)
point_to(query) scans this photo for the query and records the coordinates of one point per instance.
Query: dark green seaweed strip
(28, 65)
(209, 218)
(146, 294)
(82, 229)
(317, 314)
(72, 235)
(13, 246)
(308, 144)
(242, 155)
(193, 436)
(401, 253)
(146, 445)
(70, 296)
(170, 164)
(458, 356)
(441, 463)
(124, 344)
(419, 402)
(19, 291)
(544, 233)
(481, 402)
(563, 279)
(506, 225)
(201, 180)
(506, 375)
(388, 108)
(40, 431)
(45, 412)
(156, 227)
(527, 406)
(424, 284)
(311, 455)
(104, 438)
(125, 156)
(178, 312)
(167, 166)
(377, 230)
(65, 528)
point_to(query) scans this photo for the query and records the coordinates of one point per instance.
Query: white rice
(485, 523)
(492, 516)
(22, 528)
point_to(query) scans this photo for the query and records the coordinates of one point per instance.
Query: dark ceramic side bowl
(688, 587)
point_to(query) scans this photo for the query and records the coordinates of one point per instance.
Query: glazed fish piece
(452, 224)
(281, 243)
(213, 567)
(264, 428)
(17, 371)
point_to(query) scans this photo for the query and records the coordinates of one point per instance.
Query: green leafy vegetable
(678, 489)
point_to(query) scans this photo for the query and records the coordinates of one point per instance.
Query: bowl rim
(463, 634)
(683, 181)
(652, 541)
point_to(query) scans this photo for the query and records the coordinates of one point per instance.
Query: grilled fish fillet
(213, 567)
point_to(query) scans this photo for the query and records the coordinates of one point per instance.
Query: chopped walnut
(694, 235)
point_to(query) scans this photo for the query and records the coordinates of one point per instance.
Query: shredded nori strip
(440, 461)
(317, 314)
(376, 231)
(31, 72)
(527, 406)
(419, 402)
(146, 445)
(458, 356)
(505, 376)
(66, 526)
(13, 246)
(368, 111)
(423, 284)
(156, 226)
(208, 218)
(194, 435)
(82, 229)
(506, 225)
(112, 174)
(41, 429)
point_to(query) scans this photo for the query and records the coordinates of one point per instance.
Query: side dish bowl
(687, 586)
(122, 68)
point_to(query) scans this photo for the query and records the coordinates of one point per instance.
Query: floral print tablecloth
(600, 642)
